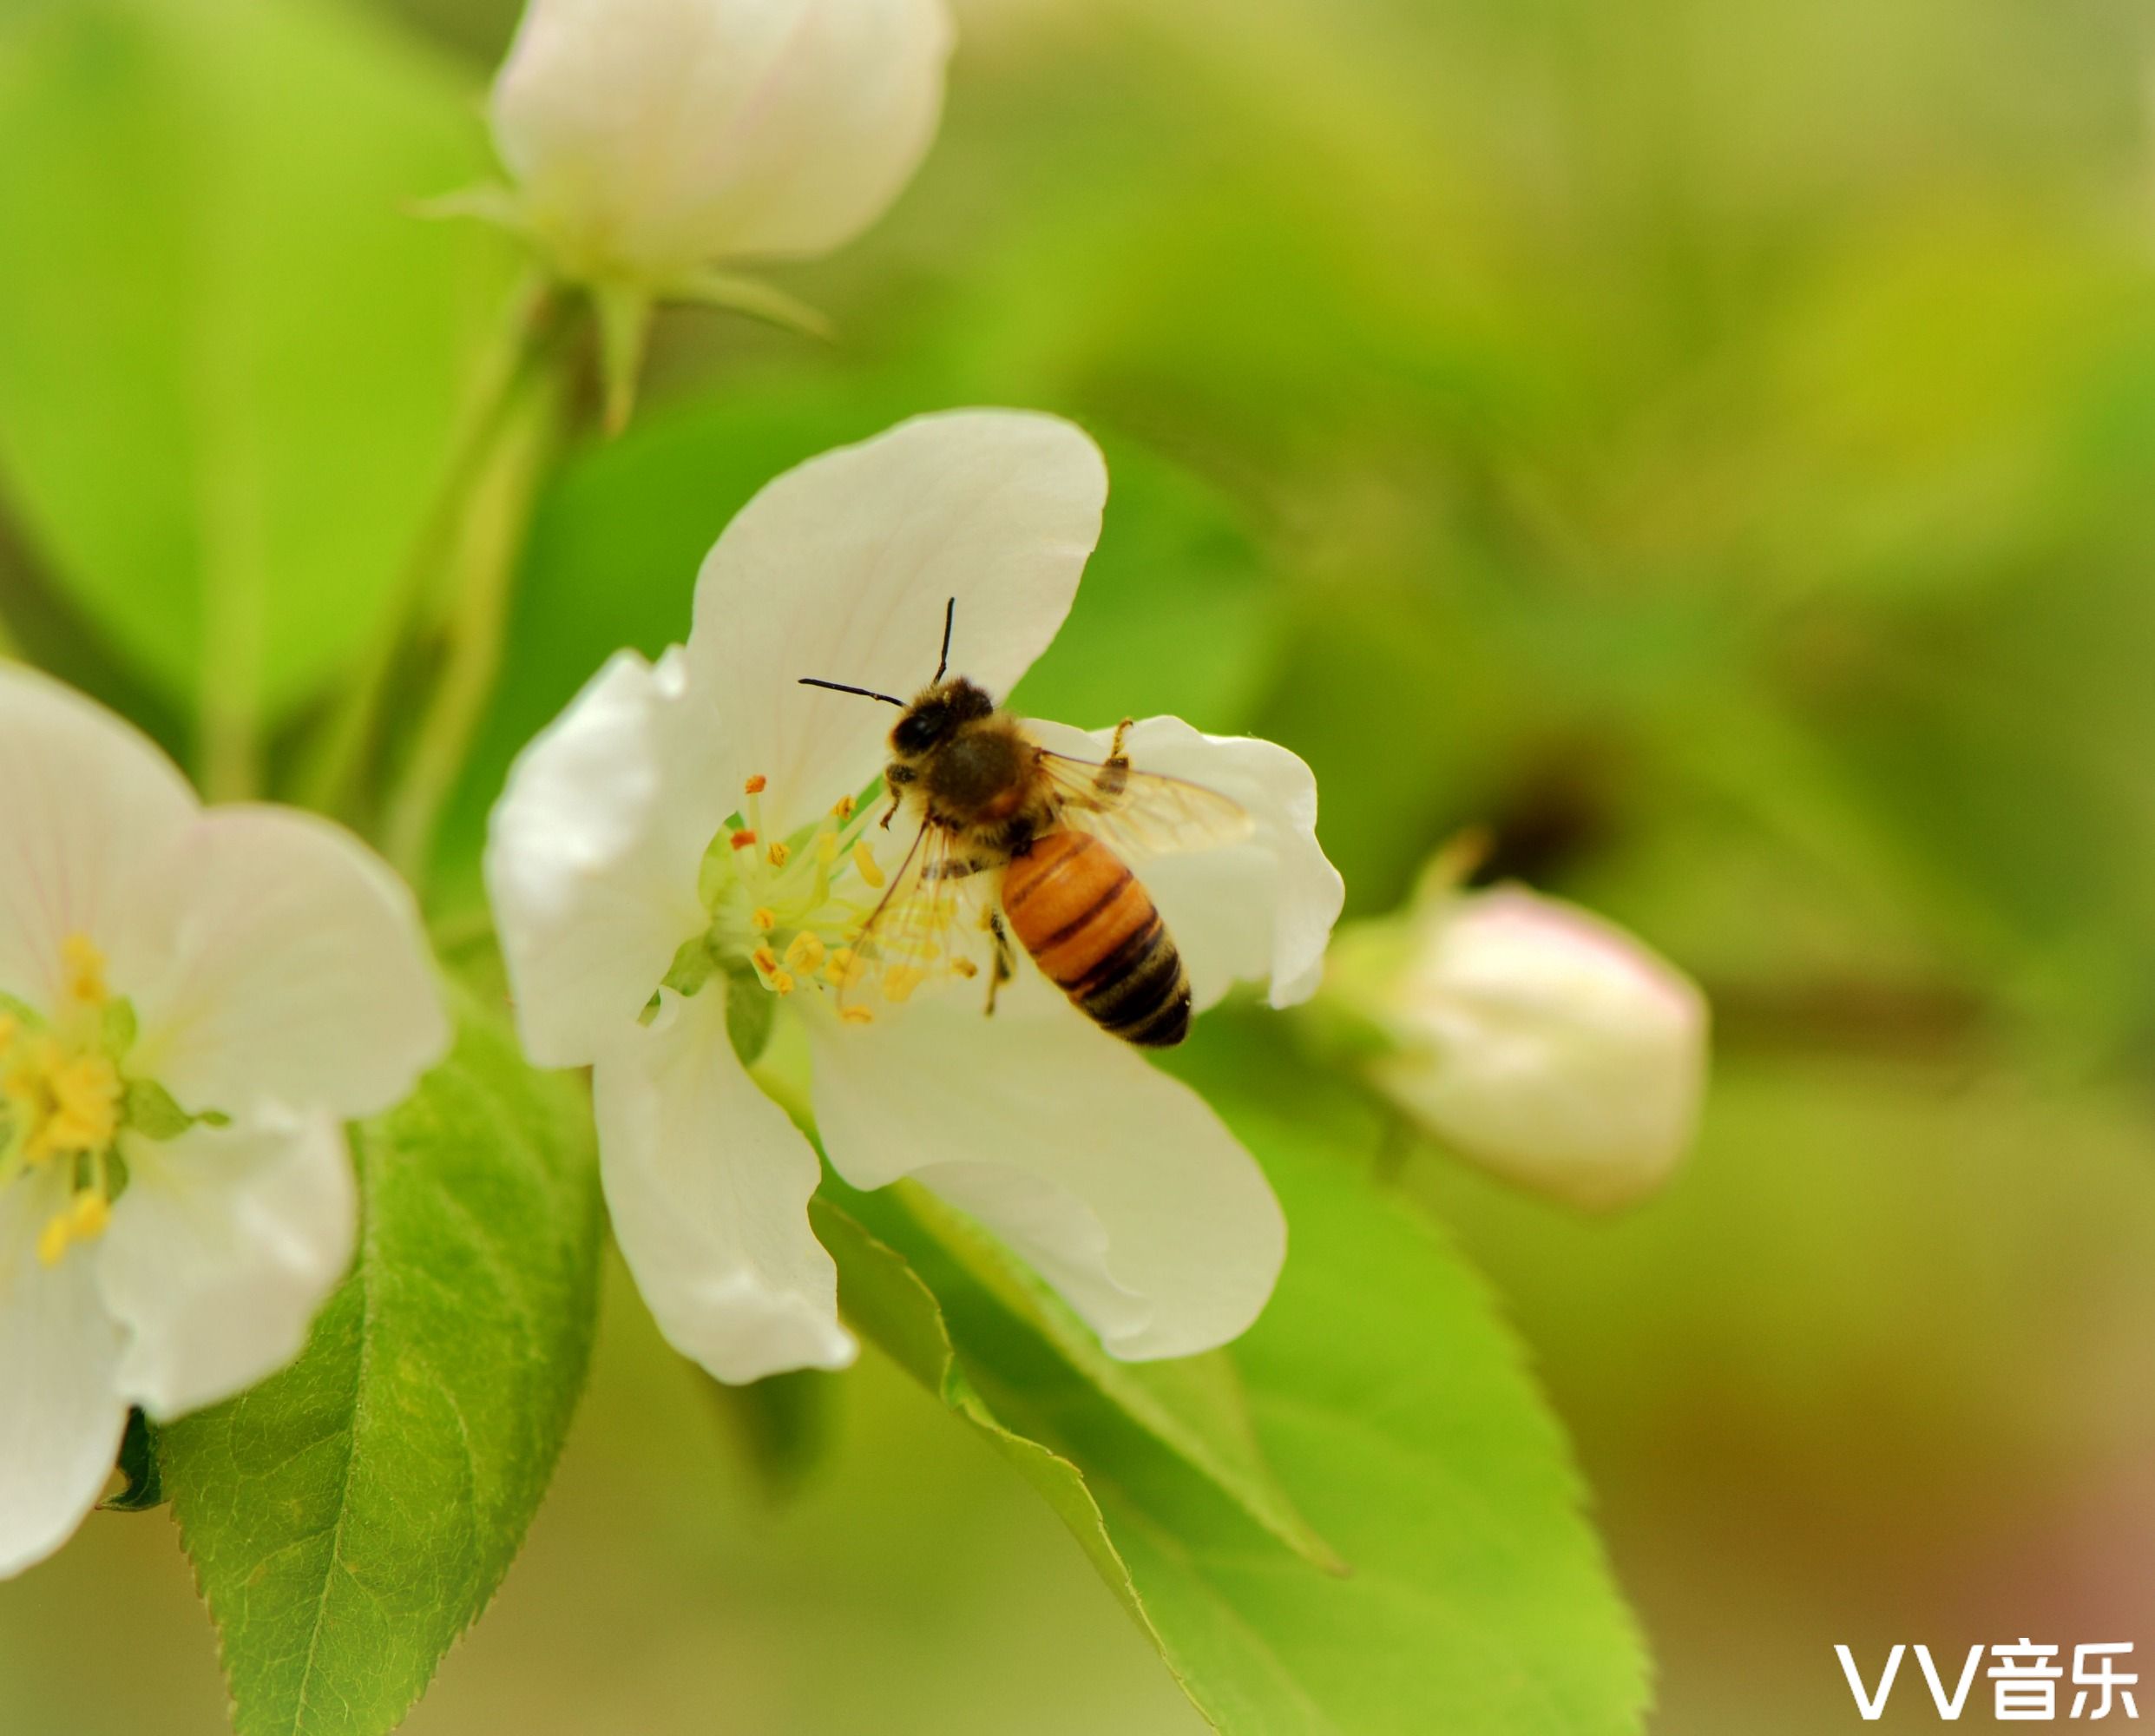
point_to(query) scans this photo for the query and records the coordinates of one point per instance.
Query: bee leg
(1113, 776)
(891, 812)
(1005, 965)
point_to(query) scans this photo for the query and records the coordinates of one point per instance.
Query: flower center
(62, 1098)
(789, 911)
(65, 1099)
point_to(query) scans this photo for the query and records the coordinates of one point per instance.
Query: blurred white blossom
(1533, 1036)
(653, 144)
(192, 1003)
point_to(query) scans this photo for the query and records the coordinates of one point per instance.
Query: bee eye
(917, 731)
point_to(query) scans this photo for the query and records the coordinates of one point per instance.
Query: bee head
(932, 718)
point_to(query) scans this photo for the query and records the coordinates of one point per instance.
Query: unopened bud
(1533, 1036)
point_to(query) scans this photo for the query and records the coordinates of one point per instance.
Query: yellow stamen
(865, 863)
(900, 981)
(743, 838)
(92, 1214)
(843, 967)
(777, 853)
(53, 1239)
(766, 961)
(782, 982)
(965, 967)
(86, 971)
(764, 921)
(805, 952)
(857, 1016)
(842, 809)
(72, 1105)
(827, 847)
(756, 785)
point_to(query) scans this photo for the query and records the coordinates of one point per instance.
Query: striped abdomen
(1092, 930)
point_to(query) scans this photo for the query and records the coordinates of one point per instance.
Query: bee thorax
(978, 778)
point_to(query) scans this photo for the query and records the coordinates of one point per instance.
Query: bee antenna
(840, 687)
(950, 620)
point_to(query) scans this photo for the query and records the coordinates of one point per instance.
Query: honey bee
(1038, 839)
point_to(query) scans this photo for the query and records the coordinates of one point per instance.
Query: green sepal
(623, 312)
(785, 1424)
(751, 1011)
(692, 967)
(755, 298)
(119, 1027)
(151, 1111)
(488, 202)
(141, 1465)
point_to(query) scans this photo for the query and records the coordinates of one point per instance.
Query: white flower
(649, 138)
(628, 839)
(1538, 1039)
(191, 1003)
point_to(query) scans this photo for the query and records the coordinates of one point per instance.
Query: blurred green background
(1715, 444)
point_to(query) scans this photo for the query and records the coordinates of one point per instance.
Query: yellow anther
(92, 1214)
(86, 971)
(782, 982)
(777, 853)
(965, 967)
(766, 961)
(805, 953)
(865, 863)
(842, 809)
(842, 967)
(53, 1239)
(764, 921)
(857, 1016)
(900, 981)
(70, 1105)
(86, 1101)
(827, 847)
(757, 785)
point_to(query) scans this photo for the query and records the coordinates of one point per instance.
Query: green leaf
(1393, 1406)
(886, 1300)
(229, 387)
(350, 1518)
(1194, 1406)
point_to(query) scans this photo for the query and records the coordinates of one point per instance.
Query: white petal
(62, 1417)
(225, 1245)
(83, 800)
(841, 569)
(271, 957)
(593, 851)
(1118, 1184)
(653, 136)
(708, 1184)
(1260, 910)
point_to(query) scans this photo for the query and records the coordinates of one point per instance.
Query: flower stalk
(531, 350)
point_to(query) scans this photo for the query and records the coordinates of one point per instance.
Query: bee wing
(1142, 812)
(930, 921)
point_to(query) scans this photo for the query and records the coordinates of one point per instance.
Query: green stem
(525, 344)
(482, 573)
